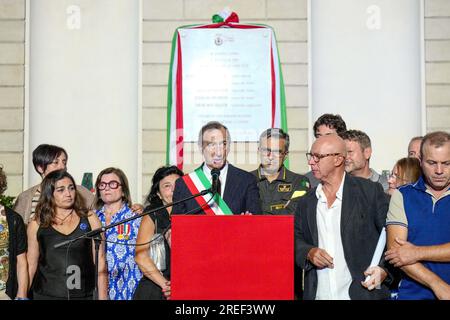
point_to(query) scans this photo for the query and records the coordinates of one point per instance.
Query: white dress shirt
(332, 284)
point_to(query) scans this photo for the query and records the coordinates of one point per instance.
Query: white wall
(84, 84)
(366, 66)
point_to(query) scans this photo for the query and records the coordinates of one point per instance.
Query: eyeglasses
(274, 152)
(113, 184)
(392, 175)
(317, 156)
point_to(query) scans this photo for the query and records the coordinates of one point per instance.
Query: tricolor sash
(196, 182)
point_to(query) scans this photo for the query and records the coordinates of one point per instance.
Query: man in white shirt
(337, 227)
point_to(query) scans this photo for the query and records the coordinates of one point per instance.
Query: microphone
(215, 173)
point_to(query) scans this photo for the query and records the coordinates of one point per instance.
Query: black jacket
(241, 194)
(363, 215)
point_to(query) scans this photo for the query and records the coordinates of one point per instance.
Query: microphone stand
(96, 232)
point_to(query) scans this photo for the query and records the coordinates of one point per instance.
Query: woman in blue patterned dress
(113, 204)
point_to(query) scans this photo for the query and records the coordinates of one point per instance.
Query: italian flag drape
(174, 153)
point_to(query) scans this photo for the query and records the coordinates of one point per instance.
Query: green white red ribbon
(197, 181)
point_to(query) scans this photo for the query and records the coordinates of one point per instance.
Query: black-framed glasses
(317, 156)
(113, 184)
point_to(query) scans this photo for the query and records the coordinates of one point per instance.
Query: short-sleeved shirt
(124, 273)
(427, 219)
(282, 194)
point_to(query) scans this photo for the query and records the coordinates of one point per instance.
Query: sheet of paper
(226, 77)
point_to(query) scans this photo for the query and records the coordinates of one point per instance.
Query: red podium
(232, 257)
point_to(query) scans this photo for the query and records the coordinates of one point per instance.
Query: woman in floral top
(113, 204)
(13, 251)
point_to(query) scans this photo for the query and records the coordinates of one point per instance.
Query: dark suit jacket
(241, 194)
(363, 215)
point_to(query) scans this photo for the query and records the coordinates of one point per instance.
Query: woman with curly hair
(155, 284)
(67, 272)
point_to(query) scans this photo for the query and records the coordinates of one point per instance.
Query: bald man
(337, 226)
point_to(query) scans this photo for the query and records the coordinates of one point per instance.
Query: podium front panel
(232, 257)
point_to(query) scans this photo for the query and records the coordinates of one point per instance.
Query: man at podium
(237, 191)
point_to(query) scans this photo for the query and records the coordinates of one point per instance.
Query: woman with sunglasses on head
(113, 204)
(67, 272)
(155, 284)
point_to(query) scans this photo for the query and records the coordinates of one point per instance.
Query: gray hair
(213, 125)
(358, 136)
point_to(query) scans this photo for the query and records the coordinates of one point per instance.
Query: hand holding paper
(377, 254)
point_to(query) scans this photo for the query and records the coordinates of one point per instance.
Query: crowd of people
(340, 208)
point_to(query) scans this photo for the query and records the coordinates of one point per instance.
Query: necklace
(61, 221)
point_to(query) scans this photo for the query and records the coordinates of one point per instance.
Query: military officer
(279, 188)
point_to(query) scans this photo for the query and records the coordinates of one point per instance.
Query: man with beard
(279, 188)
(237, 192)
(359, 151)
